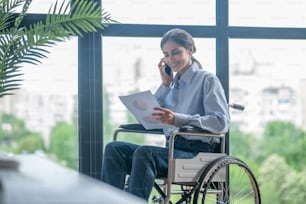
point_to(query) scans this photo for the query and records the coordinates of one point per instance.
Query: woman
(190, 97)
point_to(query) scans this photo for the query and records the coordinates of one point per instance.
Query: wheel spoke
(238, 187)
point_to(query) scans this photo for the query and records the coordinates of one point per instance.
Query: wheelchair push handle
(237, 106)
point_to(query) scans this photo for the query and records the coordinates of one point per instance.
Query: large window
(130, 65)
(265, 66)
(41, 117)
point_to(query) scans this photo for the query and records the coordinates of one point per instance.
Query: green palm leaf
(29, 44)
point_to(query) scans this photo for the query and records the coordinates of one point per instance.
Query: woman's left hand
(164, 115)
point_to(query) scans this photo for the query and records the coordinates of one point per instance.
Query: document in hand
(141, 106)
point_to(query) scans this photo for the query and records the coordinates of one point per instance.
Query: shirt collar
(188, 74)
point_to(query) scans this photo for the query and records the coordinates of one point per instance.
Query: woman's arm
(161, 94)
(216, 116)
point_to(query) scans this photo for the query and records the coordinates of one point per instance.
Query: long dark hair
(182, 38)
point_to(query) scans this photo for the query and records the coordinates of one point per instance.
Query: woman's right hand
(166, 79)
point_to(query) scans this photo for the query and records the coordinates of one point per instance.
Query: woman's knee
(151, 158)
(146, 152)
(119, 149)
(112, 147)
(142, 151)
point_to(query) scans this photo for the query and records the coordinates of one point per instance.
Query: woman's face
(177, 57)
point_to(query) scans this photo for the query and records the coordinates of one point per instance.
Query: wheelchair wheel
(227, 180)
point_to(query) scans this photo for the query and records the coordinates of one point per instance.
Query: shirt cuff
(180, 119)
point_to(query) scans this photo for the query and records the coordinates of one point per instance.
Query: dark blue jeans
(143, 163)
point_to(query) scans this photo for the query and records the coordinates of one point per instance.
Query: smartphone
(167, 69)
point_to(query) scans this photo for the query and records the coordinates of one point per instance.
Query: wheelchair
(206, 178)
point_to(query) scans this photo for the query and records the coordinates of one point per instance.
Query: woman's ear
(191, 51)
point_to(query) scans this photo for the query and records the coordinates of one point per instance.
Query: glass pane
(41, 118)
(269, 78)
(130, 65)
(193, 12)
(281, 13)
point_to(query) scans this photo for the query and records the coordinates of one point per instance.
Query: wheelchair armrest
(139, 128)
(136, 128)
(132, 126)
(196, 131)
(184, 130)
(193, 129)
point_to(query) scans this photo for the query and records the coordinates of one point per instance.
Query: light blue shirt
(201, 101)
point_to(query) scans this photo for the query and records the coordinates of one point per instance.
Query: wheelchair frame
(206, 173)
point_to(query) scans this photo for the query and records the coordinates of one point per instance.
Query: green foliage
(269, 193)
(268, 171)
(15, 137)
(272, 175)
(30, 144)
(64, 144)
(242, 144)
(294, 190)
(286, 140)
(27, 44)
(275, 160)
(11, 128)
(281, 183)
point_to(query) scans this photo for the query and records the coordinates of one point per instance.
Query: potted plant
(27, 44)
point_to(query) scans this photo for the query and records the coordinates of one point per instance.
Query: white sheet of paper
(141, 106)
